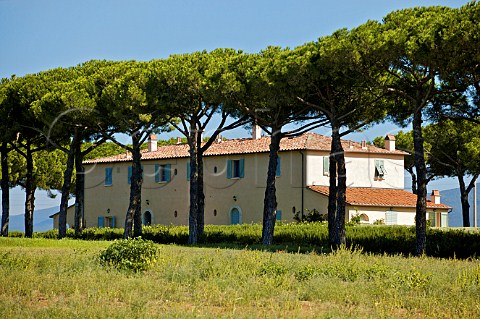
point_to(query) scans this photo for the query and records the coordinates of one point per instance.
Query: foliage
(307, 237)
(130, 254)
(310, 217)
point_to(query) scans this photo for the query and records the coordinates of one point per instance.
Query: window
(162, 173)
(364, 218)
(235, 168)
(326, 165)
(147, 218)
(443, 219)
(278, 215)
(432, 217)
(108, 176)
(379, 169)
(106, 221)
(391, 218)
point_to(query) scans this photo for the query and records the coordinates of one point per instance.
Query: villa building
(235, 177)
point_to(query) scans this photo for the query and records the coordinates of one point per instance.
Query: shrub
(130, 254)
(310, 217)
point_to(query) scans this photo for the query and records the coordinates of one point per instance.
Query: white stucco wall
(360, 170)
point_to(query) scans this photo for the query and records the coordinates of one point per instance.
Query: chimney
(435, 197)
(256, 132)
(364, 144)
(179, 140)
(390, 142)
(152, 143)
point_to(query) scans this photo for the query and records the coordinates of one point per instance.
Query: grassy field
(43, 278)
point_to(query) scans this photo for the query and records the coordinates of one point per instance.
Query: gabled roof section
(380, 197)
(307, 141)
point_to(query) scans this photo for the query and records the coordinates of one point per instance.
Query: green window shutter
(326, 165)
(229, 168)
(391, 218)
(129, 175)
(241, 172)
(101, 222)
(188, 170)
(113, 222)
(444, 220)
(108, 176)
(278, 215)
(432, 218)
(167, 172)
(157, 173)
(278, 172)
(379, 168)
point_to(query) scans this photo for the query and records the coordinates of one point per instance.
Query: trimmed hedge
(378, 239)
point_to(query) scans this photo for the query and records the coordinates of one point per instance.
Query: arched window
(364, 218)
(147, 218)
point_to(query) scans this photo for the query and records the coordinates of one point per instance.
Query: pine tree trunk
(133, 219)
(421, 206)
(79, 191)
(200, 197)
(67, 181)
(332, 198)
(193, 232)
(341, 189)
(5, 190)
(414, 179)
(464, 201)
(29, 194)
(270, 201)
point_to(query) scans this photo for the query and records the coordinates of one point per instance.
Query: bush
(445, 243)
(130, 254)
(310, 217)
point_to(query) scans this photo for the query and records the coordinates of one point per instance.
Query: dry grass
(63, 279)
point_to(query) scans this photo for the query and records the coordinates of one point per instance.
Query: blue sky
(39, 35)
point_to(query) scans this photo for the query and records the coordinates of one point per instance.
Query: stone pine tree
(20, 95)
(404, 142)
(460, 73)
(411, 45)
(196, 88)
(69, 112)
(455, 152)
(126, 101)
(271, 82)
(340, 83)
(7, 136)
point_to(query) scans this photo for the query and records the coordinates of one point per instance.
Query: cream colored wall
(316, 201)
(360, 170)
(221, 194)
(314, 168)
(70, 218)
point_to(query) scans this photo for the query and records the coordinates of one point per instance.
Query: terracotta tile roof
(307, 141)
(383, 197)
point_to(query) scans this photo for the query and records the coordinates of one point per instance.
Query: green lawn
(42, 278)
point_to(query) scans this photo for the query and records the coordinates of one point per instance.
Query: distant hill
(41, 220)
(451, 197)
